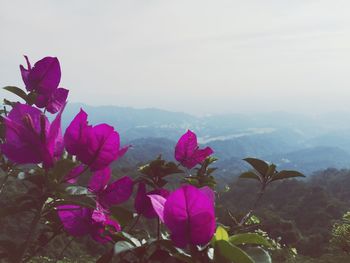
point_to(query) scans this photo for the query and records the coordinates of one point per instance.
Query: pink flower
(30, 138)
(189, 214)
(96, 146)
(187, 151)
(80, 221)
(107, 194)
(43, 79)
(143, 205)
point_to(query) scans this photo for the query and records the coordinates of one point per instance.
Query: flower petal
(99, 180)
(187, 151)
(117, 192)
(158, 203)
(186, 146)
(25, 137)
(143, 204)
(77, 135)
(54, 101)
(75, 219)
(45, 76)
(25, 72)
(182, 211)
(104, 146)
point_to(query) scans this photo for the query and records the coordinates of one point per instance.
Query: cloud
(186, 55)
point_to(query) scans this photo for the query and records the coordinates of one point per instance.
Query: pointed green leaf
(249, 238)
(258, 254)
(285, 174)
(221, 234)
(122, 246)
(230, 252)
(9, 103)
(250, 175)
(17, 91)
(270, 171)
(259, 165)
(31, 98)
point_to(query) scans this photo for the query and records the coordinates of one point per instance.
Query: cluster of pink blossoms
(188, 212)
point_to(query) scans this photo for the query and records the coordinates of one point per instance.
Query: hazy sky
(195, 56)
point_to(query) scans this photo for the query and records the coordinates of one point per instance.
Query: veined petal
(186, 146)
(143, 204)
(26, 135)
(99, 180)
(75, 219)
(187, 151)
(182, 212)
(77, 135)
(104, 146)
(45, 76)
(117, 192)
(57, 100)
(158, 203)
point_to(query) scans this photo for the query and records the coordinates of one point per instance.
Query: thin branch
(32, 230)
(257, 200)
(64, 249)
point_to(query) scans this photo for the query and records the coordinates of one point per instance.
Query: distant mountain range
(291, 141)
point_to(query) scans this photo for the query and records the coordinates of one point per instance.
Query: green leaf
(10, 103)
(258, 254)
(252, 220)
(77, 190)
(223, 249)
(129, 238)
(122, 215)
(221, 234)
(285, 174)
(122, 246)
(82, 200)
(160, 168)
(259, 165)
(211, 159)
(271, 171)
(249, 238)
(31, 98)
(17, 91)
(250, 175)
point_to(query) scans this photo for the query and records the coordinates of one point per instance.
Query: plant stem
(135, 223)
(41, 247)
(158, 229)
(32, 230)
(64, 249)
(3, 183)
(194, 254)
(257, 200)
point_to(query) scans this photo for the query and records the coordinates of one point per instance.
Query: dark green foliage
(299, 212)
(267, 173)
(341, 234)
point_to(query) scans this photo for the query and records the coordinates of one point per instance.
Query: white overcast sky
(195, 56)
